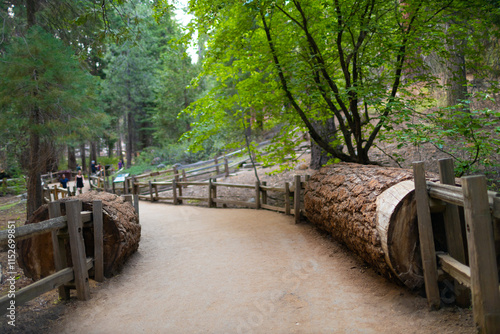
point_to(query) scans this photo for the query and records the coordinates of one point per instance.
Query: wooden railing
(482, 215)
(55, 193)
(291, 192)
(61, 227)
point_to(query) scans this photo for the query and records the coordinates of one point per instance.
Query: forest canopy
(356, 75)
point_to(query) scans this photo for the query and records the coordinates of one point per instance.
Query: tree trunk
(319, 157)
(71, 158)
(122, 233)
(130, 138)
(456, 74)
(82, 156)
(93, 151)
(34, 186)
(372, 211)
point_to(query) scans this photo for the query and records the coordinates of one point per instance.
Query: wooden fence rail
(481, 211)
(61, 227)
(292, 200)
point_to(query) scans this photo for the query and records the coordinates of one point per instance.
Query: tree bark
(71, 158)
(456, 74)
(372, 211)
(130, 138)
(122, 233)
(82, 156)
(319, 157)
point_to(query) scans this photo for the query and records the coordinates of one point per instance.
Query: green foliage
(297, 62)
(470, 136)
(39, 74)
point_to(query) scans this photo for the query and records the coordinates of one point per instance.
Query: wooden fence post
(296, 199)
(217, 169)
(59, 249)
(482, 257)
(226, 167)
(214, 192)
(287, 198)
(426, 235)
(98, 241)
(210, 199)
(174, 191)
(125, 186)
(134, 187)
(453, 229)
(264, 193)
(257, 195)
(151, 192)
(184, 177)
(56, 193)
(75, 229)
(113, 185)
(136, 204)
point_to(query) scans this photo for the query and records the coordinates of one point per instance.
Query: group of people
(80, 180)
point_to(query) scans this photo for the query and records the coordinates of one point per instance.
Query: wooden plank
(457, 270)
(426, 236)
(193, 198)
(233, 202)
(40, 287)
(272, 208)
(264, 193)
(86, 216)
(28, 231)
(257, 195)
(98, 241)
(210, 198)
(194, 183)
(296, 198)
(482, 257)
(174, 192)
(496, 207)
(136, 203)
(58, 248)
(453, 229)
(449, 194)
(73, 209)
(226, 167)
(234, 185)
(162, 198)
(151, 192)
(287, 198)
(270, 188)
(217, 170)
(214, 191)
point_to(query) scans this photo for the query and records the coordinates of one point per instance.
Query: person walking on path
(64, 181)
(79, 182)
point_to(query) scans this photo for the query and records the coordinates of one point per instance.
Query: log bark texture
(372, 210)
(122, 234)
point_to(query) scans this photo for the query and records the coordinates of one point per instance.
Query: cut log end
(122, 233)
(372, 211)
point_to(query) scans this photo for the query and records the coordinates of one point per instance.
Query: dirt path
(202, 270)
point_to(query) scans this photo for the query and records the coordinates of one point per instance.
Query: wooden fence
(62, 227)
(482, 221)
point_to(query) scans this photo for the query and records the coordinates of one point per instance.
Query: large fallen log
(122, 234)
(372, 210)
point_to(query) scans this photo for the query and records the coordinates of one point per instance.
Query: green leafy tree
(303, 62)
(45, 91)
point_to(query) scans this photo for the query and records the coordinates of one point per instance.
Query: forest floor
(250, 271)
